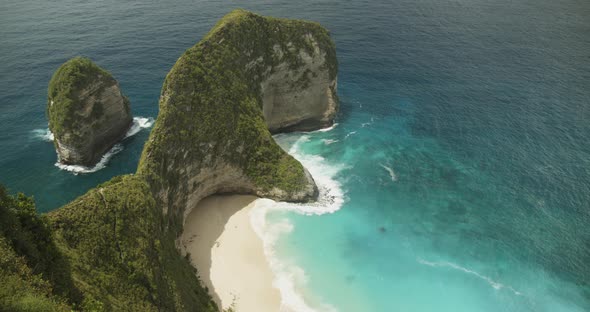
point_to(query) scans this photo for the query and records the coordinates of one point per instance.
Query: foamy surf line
(494, 284)
(330, 128)
(327, 129)
(43, 134)
(289, 278)
(138, 124)
(331, 196)
(100, 165)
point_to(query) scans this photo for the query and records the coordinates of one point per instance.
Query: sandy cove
(229, 255)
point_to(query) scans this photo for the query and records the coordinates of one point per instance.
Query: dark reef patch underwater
(463, 132)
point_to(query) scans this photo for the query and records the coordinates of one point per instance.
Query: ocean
(457, 177)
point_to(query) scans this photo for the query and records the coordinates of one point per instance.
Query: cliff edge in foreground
(87, 112)
(114, 248)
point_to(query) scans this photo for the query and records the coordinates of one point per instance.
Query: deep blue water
(461, 152)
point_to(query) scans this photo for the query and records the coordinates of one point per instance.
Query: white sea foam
(349, 134)
(289, 278)
(496, 285)
(285, 277)
(329, 141)
(100, 165)
(366, 124)
(390, 171)
(327, 129)
(139, 123)
(43, 134)
(331, 196)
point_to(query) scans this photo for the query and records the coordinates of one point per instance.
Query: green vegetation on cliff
(113, 249)
(211, 103)
(87, 112)
(251, 36)
(71, 77)
(121, 255)
(105, 251)
(33, 275)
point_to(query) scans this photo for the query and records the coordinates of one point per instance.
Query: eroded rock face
(249, 77)
(211, 136)
(303, 98)
(87, 112)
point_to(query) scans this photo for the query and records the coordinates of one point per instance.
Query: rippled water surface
(457, 178)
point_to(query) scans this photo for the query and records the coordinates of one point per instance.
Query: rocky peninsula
(87, 112)
(211, 135)
(117, 246)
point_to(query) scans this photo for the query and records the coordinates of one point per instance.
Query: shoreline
(229, 255)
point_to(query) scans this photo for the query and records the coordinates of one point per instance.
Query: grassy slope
(112, 248)
(32, 276)
(120, 254)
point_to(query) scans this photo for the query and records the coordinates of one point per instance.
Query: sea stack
(87, 112)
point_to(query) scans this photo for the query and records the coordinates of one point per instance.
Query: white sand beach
(229, 255)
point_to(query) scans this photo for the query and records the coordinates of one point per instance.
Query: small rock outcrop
(87, 112)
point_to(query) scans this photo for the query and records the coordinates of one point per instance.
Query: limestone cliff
(299, 92)
(87, 112)
(116, 243)
(249, 74)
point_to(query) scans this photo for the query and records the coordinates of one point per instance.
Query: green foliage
(113, 249)
(119, 258)
(64, 88)
(28, 233)
(122, 259)
(20, 289)
(31, 275)
(211, 101)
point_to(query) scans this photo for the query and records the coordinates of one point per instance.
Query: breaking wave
(496, 285)
(43, 134)
(100, 165)
(288, 278)
(139, 123)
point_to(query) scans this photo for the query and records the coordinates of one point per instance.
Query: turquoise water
(457, 178)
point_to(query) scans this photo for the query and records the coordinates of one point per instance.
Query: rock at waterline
(87, 112)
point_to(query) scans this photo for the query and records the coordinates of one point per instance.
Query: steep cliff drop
(248, 75)
(117, 243)
(87, 112)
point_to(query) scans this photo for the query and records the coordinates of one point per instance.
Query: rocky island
(87, 112)
(116, 247)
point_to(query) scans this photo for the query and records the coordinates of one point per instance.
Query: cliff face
(248, 75)
(87, 112)
(116, 243)
(304, 97)
(121, 257)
